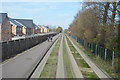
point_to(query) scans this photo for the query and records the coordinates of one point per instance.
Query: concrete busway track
(60, 71)
(99, 72)
(23, 65)
(60, 66)
(41, 66)
(75, 67)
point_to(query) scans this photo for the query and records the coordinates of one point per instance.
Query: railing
(105, 53)
(11, 48)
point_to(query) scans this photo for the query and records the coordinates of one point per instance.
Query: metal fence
(105, 53)
(11, 48)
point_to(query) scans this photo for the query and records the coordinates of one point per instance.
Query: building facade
(28, 28)
(16, 27)
(37, 29)
(5, 27)
(45, 29)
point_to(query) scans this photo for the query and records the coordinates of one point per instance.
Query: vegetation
(50, 68)
(99, 22)
(59, 29)
(105, 65)
(83, 66)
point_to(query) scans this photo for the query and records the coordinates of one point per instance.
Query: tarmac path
(22, 65)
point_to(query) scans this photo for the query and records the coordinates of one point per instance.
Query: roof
(36, 26)
(39, 26)
(2, 17)
(12, 21)
(26, 22)
(46, 27)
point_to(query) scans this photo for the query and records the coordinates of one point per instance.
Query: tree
(99, 22)
(106, 7)
(59, 29)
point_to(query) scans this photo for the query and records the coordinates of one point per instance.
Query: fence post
(105, 53)
(96, 50)
(113, 57)
(76, 39)
(92, 47)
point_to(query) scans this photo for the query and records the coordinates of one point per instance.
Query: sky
(43, 13)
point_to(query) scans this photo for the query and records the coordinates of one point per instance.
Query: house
(29, 28)
(41, 29)
(37, 29)
(16, 27)
(5, 27)
(44, 29)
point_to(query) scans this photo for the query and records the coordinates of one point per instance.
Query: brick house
(45, 29)
(28, 28)
(37, 29)
(5, 27)
(16, 27)
(41, 29)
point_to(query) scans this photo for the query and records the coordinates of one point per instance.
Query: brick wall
(6, 30)
(32, 31)
(13, 30)
(45, 30)
(24, 31)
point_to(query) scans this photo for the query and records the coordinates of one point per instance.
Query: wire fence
(105, 53)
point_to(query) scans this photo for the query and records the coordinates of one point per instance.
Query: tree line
(98, 22)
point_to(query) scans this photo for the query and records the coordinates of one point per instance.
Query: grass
(77, 55)
(105, 65)
(49, 70)
(72, 48)
(90, 75)
(81, 63)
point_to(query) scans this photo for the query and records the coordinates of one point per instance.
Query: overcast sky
(49, 13)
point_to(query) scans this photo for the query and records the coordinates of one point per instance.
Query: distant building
(45, 29)
(37, 29)
(29, 28)
(16, 27)
(5, 27)
(41, 29)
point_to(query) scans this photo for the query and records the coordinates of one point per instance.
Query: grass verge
(81, 63)
(105, 65)
(50, 68)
